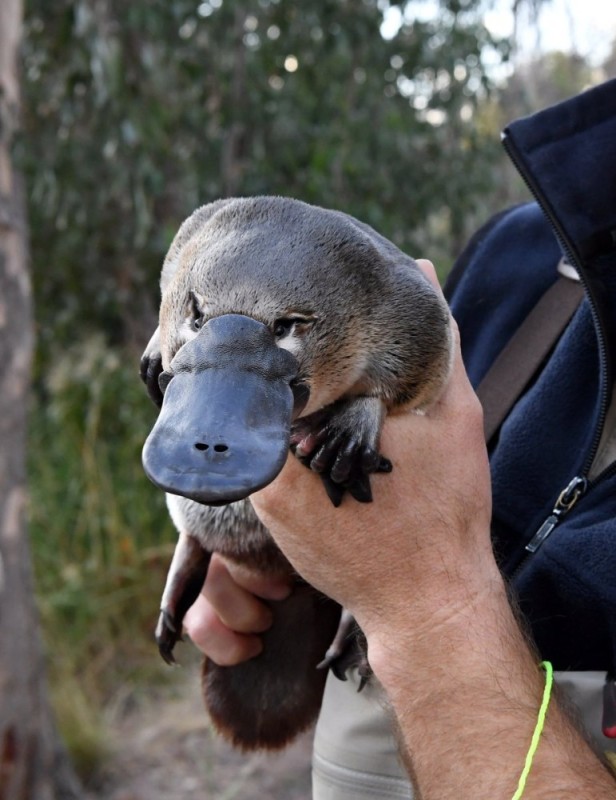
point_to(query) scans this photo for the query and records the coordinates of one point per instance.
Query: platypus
(282, 326)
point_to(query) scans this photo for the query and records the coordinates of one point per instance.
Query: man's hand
(429, 518)
(228, 616)
(427, 527)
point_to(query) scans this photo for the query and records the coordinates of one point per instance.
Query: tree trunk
(234, 144)
(33, 764)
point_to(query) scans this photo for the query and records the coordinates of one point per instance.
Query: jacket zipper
(579, 484)
(566, 500)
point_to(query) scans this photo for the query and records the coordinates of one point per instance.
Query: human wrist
(467, 674)
(460, 644)
(445, 580)
(449, 619)
(475, 684)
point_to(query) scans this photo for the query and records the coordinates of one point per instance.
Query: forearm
(465, 688)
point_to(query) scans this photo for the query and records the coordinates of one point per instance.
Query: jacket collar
(567, 156)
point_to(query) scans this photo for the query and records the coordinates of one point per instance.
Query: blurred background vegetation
(135, 114)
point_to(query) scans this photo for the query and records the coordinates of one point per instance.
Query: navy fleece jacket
(567, 588)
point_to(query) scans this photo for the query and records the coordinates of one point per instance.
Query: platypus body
(282, 325)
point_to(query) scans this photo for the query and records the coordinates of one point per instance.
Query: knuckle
(216, 593)
(474, 409)
(249, 617)
(213, 638)
(202, 627)
(236, 650)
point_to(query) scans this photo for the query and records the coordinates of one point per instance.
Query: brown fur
(373, 335)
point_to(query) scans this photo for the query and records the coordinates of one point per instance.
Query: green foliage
(546, 79)
(101, 538)
(88, 429)
(136, 113)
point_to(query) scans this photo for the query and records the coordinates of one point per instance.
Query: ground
(163, 749)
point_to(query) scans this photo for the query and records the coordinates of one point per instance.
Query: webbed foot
(150, 368)
(348, 650)
(341, 444)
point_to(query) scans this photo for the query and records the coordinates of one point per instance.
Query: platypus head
(272, 308)
(285, 264)
(224, 426)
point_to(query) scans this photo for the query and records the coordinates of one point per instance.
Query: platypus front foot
(341, 444)
(150, 368)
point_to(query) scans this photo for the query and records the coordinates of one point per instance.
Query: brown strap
(524, 352)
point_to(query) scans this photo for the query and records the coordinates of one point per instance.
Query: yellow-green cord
(534, 742)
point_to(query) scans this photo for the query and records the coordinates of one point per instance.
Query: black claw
(143, 369)
(345, 463)
(385, 465)
(324, 456)
(339, 670)
(305, 460)
(342, 451)
(341, 659)
(360, 489)
(338, 661)
(166, 637)
(167, 655)
(331, 662)
(335, 492)
(364, 670)
(150, 368)
(370, 460)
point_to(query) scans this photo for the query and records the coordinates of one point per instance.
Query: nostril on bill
(218, 448)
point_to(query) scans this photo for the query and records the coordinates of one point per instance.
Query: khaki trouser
(355, 754)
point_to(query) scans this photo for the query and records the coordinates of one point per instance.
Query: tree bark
(33, 764)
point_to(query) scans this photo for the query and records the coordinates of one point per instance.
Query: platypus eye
(196, 314)
(283, 327)
(298, 324)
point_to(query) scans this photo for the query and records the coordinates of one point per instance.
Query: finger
(239, 609)
(459, 380)
(427, 267)
(458, 370)
(262, 584)
(218, 642)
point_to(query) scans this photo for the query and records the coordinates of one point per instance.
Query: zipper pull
(566, 500)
